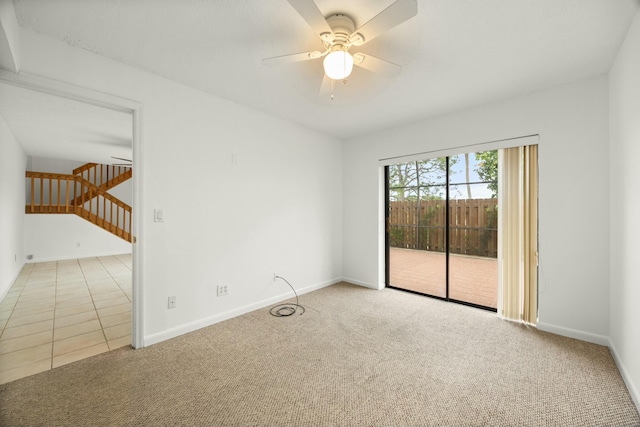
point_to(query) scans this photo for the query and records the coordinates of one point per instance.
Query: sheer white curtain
(518, 238)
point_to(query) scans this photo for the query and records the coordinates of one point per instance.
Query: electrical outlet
(171, 303)
(223, 290)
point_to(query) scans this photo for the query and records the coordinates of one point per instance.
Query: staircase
(84, 193)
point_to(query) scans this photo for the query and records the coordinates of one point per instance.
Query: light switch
(158, 215)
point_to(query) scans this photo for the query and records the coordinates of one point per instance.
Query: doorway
(442, 232)
(73, 110)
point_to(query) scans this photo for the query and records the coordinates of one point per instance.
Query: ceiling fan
(338, 35)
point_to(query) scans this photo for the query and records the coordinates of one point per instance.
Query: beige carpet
(356, 357)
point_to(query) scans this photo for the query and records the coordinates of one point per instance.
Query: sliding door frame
(446, 242)
(384, 163)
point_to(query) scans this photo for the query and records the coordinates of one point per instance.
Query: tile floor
(63, 311)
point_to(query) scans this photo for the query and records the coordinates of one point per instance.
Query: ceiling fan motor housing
(342, 27)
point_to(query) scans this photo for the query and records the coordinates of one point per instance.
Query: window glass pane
(473, 267)
(401, 194)
(403, 217)
(432, 225)
(432, 171)
(433, 192)
(471, 191)
(403, 175)
(487, 169)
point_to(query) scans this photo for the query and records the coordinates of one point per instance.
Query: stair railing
(50, 192)
(103, 176)
(106, 211)
(72, 194)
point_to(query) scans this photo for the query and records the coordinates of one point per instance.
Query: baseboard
(633, 390)
(574, 333)
(65, 258)
(211, 320)
(360, 283)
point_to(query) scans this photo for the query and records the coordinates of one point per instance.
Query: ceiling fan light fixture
(338, 64)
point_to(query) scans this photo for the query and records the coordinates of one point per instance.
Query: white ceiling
(455, 53)
(55, 127)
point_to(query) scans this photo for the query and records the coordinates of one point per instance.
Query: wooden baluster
(110, 214)
(66, 199)
(101, 172)
(50, 193)
(58, 195)
(41, 194)
(76, 194)
(33, 194)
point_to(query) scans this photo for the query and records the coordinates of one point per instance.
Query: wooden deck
(472, 279)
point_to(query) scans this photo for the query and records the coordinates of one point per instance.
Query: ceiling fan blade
(326, 88)
(309, 11)
(120, 158)
(376, 65)
(397, 13)
(288, 59)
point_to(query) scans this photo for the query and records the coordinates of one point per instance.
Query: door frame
(111, 102)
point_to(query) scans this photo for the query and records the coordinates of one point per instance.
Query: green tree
(425, 173)
(487, 170)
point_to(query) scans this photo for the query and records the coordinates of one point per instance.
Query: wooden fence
(421, 225)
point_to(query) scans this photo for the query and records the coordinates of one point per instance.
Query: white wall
(572, 122)
(624, 198)
(45, 164)
(57, 237)
(279, 209)
(123, 191)
(9, 30)
(12, 166)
